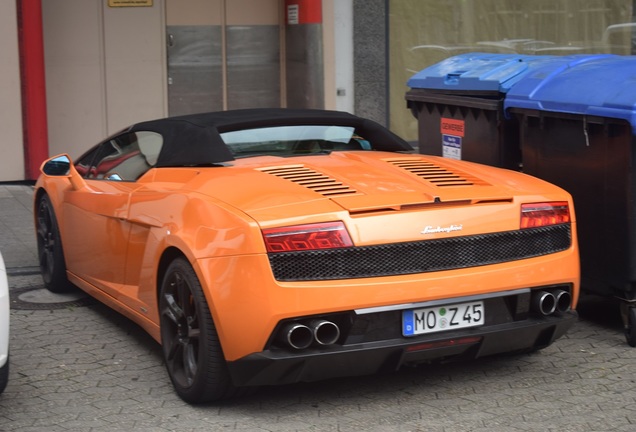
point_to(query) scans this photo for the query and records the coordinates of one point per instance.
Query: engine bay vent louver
(436, 174)
(311, 179)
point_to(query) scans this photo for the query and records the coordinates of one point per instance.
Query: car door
(95, 227)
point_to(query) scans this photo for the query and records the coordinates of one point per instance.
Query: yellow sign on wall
(129, 3)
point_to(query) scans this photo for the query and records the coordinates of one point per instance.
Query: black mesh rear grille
(421, 256)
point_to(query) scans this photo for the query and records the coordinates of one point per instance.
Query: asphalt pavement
(78, 366)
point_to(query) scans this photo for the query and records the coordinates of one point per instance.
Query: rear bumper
(283, 367)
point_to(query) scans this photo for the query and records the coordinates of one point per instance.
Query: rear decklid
(380, 196)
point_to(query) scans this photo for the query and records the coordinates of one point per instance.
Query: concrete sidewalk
(17, 233)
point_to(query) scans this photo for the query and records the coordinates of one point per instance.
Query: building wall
(370, 59)
(305, 58)
(11, 139)
(105, 69)
(339, 51)
(135, 64)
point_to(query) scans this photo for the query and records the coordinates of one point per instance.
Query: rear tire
(190, 344)
(50, 252)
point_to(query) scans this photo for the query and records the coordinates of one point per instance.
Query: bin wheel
(630, 330)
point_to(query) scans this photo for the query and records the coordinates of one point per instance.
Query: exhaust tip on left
(544, 302)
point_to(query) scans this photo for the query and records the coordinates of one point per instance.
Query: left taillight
(328, 235)
(544, 214)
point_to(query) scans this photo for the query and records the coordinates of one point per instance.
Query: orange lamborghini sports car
(275, 246)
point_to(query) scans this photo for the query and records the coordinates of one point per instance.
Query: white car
(4, 326)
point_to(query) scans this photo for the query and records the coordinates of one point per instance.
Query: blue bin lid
(477, 72)
(601, 85)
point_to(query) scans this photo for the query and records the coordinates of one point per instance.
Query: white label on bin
(451, 147)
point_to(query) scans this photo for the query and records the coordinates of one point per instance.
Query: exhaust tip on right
(563, 301)
(325, 332)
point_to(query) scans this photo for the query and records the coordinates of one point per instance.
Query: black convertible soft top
(195, 139)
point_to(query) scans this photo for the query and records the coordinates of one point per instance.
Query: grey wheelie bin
(577, 130)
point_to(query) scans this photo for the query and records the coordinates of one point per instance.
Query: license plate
(442, 318)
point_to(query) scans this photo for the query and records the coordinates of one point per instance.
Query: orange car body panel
(115, 233)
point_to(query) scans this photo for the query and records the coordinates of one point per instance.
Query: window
(125, 157)
(293, 140)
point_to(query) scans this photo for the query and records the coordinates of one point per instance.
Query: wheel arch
(39, 193)
(169, 254)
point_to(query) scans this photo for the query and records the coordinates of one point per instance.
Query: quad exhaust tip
(300, 336)
(548, 302)
(563, 301)
(297, 336)
(325, 332)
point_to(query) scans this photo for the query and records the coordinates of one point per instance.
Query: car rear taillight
(328, 235)
(544, 214)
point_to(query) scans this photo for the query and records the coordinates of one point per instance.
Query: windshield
(293, 140)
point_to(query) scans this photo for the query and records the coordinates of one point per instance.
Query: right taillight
(544, 214)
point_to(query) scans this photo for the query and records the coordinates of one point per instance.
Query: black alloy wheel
(192, 352)
(50, 252)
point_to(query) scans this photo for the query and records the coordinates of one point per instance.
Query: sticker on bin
(452, 127)
(442, 318)
(451, 147)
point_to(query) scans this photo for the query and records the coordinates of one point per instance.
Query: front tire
(50, 252)
(191, 348)
(4, 376)
(630, 330)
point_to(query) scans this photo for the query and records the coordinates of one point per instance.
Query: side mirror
(57, 166)
(62, 166)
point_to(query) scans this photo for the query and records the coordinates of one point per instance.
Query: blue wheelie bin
(577, 125)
